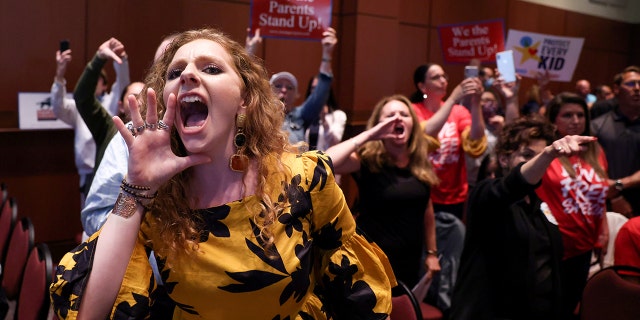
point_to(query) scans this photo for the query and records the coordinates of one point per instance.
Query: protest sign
(480, 40)
(298, 19)
(536, 52)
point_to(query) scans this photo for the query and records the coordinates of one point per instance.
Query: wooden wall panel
(30, 36)
(38, 168)
(376, 53)
(123, 20)
(414, 12)
(380, 44)
(382, 8)
(634, 56)
(452, 12)
(599, 33)
(526, 16)
(344, 72)
(412, 51)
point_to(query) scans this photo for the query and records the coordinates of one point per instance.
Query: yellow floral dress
(321, 267)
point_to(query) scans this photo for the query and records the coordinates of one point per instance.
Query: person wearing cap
(285, 86)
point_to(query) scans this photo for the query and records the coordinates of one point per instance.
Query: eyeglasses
(631, 84)
(280, 86)
(440, 76)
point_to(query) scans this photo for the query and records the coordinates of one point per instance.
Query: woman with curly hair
(241, 225)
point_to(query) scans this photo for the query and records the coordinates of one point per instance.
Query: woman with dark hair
(575, 190)
(460, 133)
(510, 266)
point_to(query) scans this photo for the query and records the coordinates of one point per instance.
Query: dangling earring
(239, 162)
(424, 96)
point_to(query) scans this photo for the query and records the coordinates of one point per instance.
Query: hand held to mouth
(151, 160)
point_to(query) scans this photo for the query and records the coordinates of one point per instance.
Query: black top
(620, 139)
(391, 207)
(510, 262)
(601, 107)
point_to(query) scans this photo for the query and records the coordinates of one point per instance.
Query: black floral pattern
(320, 174)
(139, 310)
(315, 238)
(212, 222)
(74, 278)
(343, 299)
(300, 277)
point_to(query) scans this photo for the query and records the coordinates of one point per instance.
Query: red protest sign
(301, 19)
(476, 40)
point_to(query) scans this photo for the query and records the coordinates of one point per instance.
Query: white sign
(536, 52)
(35, 111)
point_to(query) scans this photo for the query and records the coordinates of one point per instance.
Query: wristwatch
(618, 185)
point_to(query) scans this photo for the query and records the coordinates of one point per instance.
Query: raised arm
(122, 81)
(477, 120)
(318, 98)
(509, 91)
(344, 155)
(63, 108)
(252, 42)
(534, 169)
(437, 121)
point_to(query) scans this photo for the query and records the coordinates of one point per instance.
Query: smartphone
(506, 67)
(470, 72)
(64, 45)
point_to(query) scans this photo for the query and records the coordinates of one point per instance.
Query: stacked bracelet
(133, 190)
(137, 191)
(432, 252)
(130, 196)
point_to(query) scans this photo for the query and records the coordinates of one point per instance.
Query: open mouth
(193, 111)
(398, 129)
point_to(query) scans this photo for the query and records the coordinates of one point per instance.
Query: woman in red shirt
(575, 190)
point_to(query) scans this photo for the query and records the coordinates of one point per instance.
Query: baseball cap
(287, 76)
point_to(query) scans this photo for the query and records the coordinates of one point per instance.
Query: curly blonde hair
(266, 142)
(374, 154)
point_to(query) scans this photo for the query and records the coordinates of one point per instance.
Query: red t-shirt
(448, 161)
(578, 204)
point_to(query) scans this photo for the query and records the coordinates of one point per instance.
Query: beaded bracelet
(133, 186)
(133, 191)
(137, 194)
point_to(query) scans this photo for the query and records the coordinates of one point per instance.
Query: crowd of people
(208, 193)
